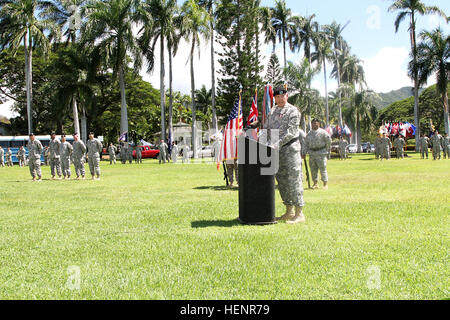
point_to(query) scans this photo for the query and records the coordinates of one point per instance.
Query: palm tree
(334, 31)
(323, 54)
(19, 23)
(195, 23)
(283, 24)
(163, 28)
(109, 30)
(433, 55)
(411, 9)
(203, 99)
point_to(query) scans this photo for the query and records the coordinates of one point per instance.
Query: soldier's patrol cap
(75, 134)
(63, 135)
(315, 120)
(31, 134)
(91, 133)
(53, 133)
(279, 90)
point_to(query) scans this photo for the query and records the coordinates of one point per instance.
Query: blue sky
(370, 34)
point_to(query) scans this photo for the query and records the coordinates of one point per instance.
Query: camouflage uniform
(174, 153)
(343, 149)
(445, 143)
(232, 170)
(123, 153)
(162, 152)
(112, 154)
(21, 157)
(55, 158)
(385, 148)
(130, 153)
(9, 158)
(289, 175)
(399, 143)
(66, 152)
(94, 148)
(423, 142)
(436, 141)
(78, 155)
(2, 155)
(186, 150)
(46, 155)
(34, 154)
(318, 143)
(139, 152)
(378, 152)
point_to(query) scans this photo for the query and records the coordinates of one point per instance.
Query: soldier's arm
(293, 125)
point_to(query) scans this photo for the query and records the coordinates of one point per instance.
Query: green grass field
(169, 232)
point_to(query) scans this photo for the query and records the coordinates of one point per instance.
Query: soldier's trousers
(9, 162)
(65, 164)
(290, 179)
(35, 167)
(55, 166)
(79, 167)
(22, 161)
(139, 158)
(386, 154)
(446, 151)
(112, 158)
(94, 165)
(342, 154)
(423, 152)
(316, 163)
(399, 153)
(436, 153)
(232, 170)
(2, 162)
(162, 157)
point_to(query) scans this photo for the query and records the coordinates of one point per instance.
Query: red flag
(253, 116)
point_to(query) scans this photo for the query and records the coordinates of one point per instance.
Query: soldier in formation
(436, 145)
(446, 146)
(79, 156)
(399, 144)
(21, 157)
(423, 144)
(385, 147)
(174, 152)
(139, 152)
(112, 153)
(232, 172)
(123, 152)
(8, 157)
(342, 148)
(317, 144)
(130, 153)
(55, 157)
(2, 157)
(94, 148)
(66, 153)
(378, 146)
(34, 153)
(163, 149)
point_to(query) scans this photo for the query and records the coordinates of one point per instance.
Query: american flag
(229, 148)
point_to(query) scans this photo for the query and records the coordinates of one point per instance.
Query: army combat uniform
(66, 152)
(399, 143)
(445, 143)
(378, 147)
(55, 157)
(94, 148)
(2, 157)
(112, 154)
(130, 153)
(9, 162)
(34, 154)
(436, 141)
(423, 143)
(163, 149)
(318, 143)
(21, 157)
(343, 149)
(174, 153)
(385, 148)
(78, 155)
(139, 153)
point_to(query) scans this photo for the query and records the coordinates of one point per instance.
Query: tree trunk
(358, 132)
(162, 92)
(28, 80)
(76, 123)
(284, 51)
(194, 126)
(416, 82)
(83, 126)
(327, 110)
(213, 82)
(446, 116)
(123, 109)
(170, 95)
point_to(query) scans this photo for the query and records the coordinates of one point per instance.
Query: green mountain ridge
(388, 98)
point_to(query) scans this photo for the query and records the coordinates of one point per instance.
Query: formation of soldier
(399, 144)
(342, 148)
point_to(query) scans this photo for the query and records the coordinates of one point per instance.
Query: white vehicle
(203, 152)
(352, 148)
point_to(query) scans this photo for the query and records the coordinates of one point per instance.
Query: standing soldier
(399, 144)
(65, 152)
(130, 153)
(446, 146)
(317, 144)
(436, 145)
(55, 158)
(385, 147)
(46, 155)
(342, 148)
(285, 120)
(94, 148)
(79, 154)
(174, 152)
(232, 171)
(186, 150)
(9, 162)
(21, 157)
(34, 154)
(123, 152)
(139, 152)
(162, 151)
(423, 142)
(378, 146)
(112, 153)
(2, 155)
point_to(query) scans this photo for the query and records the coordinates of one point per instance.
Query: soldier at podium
(286, 119)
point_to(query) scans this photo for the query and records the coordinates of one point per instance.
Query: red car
(147, 152)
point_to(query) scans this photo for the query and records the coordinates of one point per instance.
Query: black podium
(256, 190)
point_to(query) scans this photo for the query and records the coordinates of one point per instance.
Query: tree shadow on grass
(216, 188)
(215, 223)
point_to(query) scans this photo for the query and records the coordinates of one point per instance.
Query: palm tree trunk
(76, 123)
(284, 51)
(416, 82)
(194, 129)
(162, 92)
(170, 94)
(358, 132)
(83, 125)
(327, 110)
(446, 116)
(213, 82)
(28, 80)
(123, 108)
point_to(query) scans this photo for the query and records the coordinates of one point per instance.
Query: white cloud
(5, 109)
(387, 70)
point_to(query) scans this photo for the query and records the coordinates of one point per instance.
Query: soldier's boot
(325, 185)
(77, 178)
(288, 215)
(315, 186)
(298, 218)
(34, 179)
(53, 177)
(59, 178)
(39, 179)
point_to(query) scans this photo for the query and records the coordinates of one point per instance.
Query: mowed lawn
(169, 232)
